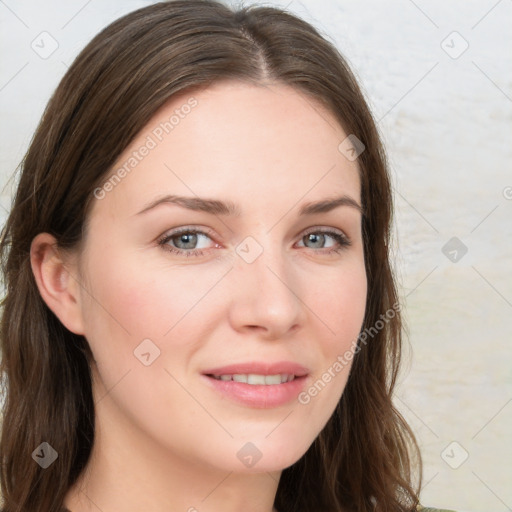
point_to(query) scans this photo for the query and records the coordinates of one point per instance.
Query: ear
(57, 281)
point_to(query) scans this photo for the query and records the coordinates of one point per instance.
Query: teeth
(272, 379)
(256, 379)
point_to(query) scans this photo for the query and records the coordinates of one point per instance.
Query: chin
(267, 455)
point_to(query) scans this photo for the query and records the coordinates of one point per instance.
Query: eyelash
(342, 240)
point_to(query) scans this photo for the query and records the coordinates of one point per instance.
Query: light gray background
(447, 122)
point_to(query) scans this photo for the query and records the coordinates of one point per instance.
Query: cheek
(133, 299)
(340, 307)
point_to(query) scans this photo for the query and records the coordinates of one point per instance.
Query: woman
(199, 309)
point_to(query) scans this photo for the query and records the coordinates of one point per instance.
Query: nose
(266, 295)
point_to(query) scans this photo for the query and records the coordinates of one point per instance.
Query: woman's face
(178, 290)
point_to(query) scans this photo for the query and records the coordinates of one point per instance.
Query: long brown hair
(361, 461)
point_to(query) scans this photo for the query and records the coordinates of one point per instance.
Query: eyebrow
(228, 208)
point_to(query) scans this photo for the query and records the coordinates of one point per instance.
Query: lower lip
(258, 395)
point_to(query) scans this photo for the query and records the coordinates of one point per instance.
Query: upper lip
(260, 368)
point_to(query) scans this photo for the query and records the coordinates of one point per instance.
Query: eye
(184, 241)
(319, 237)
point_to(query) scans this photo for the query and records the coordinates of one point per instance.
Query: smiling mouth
(256, 379)
(265, 390)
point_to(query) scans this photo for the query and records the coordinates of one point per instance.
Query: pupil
(319, 238)
(188, 239)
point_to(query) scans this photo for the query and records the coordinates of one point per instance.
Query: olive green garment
(428, 509)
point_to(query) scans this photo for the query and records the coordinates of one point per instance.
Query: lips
(258, 385)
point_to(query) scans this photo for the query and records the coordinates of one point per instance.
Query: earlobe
(57, 285)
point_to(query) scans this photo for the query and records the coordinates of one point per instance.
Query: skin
(165, 440)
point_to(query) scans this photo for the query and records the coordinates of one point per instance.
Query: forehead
(252, 145)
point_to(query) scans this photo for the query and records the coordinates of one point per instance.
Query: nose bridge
(265, 291)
